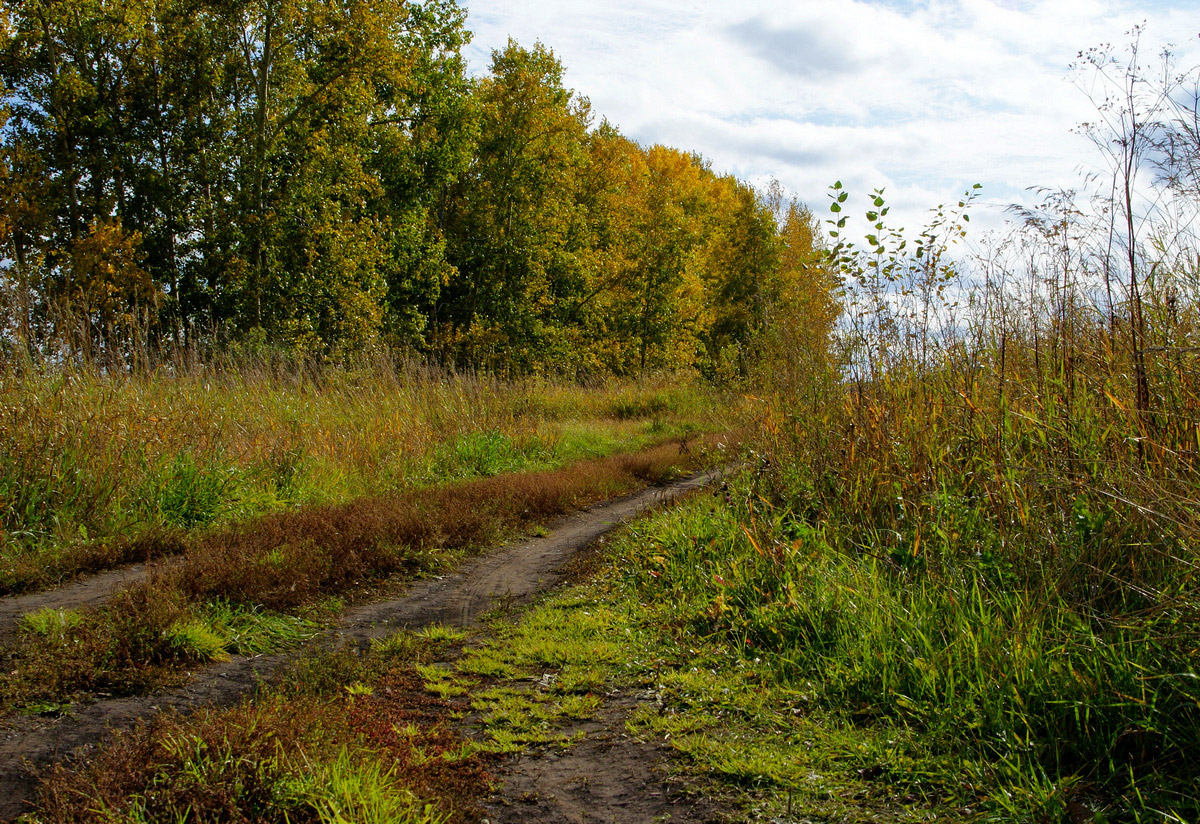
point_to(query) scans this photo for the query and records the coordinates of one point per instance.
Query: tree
(515, 227)
(277, 161)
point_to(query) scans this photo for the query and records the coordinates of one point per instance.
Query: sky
(923, 99)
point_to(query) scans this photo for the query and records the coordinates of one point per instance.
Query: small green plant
(51, 709)
(195, 639)
(440, 632)
(442, 681)
(191, 494)
(51, 622)
(401, 645)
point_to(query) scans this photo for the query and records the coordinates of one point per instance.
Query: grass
(344, 737)
(256, 588)
(101, 469)
(985, 701)
(50, 622)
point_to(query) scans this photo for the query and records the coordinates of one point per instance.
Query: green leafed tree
(516, 227)
(279, 162)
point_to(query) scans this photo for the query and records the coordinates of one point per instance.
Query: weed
(50, 622)
(195, 640)
(360, 790)
(441, 681)
(482, 454)
(440, 632)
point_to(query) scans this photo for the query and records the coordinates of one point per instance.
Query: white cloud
(924, 98)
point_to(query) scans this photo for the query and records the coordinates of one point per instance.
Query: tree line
(324, 175)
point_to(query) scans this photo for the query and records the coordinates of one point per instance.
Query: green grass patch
(219, 629)
(50, 622)
(514, 719)
(248, 630)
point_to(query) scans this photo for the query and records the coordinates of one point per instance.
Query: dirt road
(510, 575)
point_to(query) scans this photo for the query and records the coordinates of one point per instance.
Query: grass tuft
(51, 622)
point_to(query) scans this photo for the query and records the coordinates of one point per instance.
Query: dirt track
(509, 575)
(603, 778)
(93, 589)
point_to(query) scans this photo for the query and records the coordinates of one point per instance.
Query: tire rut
(510, 575)
(604, 776)
(93, 589)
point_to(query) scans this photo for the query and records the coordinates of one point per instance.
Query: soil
(604, 778)
(510, 576)
(93, 589)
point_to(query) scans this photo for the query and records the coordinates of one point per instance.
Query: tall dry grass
(100, 467)
(983, 523)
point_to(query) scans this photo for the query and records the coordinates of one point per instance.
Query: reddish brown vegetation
(33, 572)
(291, 558)
(399, 699)
(229, 765)
(124, 651)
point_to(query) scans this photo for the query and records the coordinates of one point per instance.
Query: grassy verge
(99, 470)
(808, 683)
(261, 585)
(843, 688)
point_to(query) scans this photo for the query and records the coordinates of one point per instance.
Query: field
(95, 471)
(385, 443)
